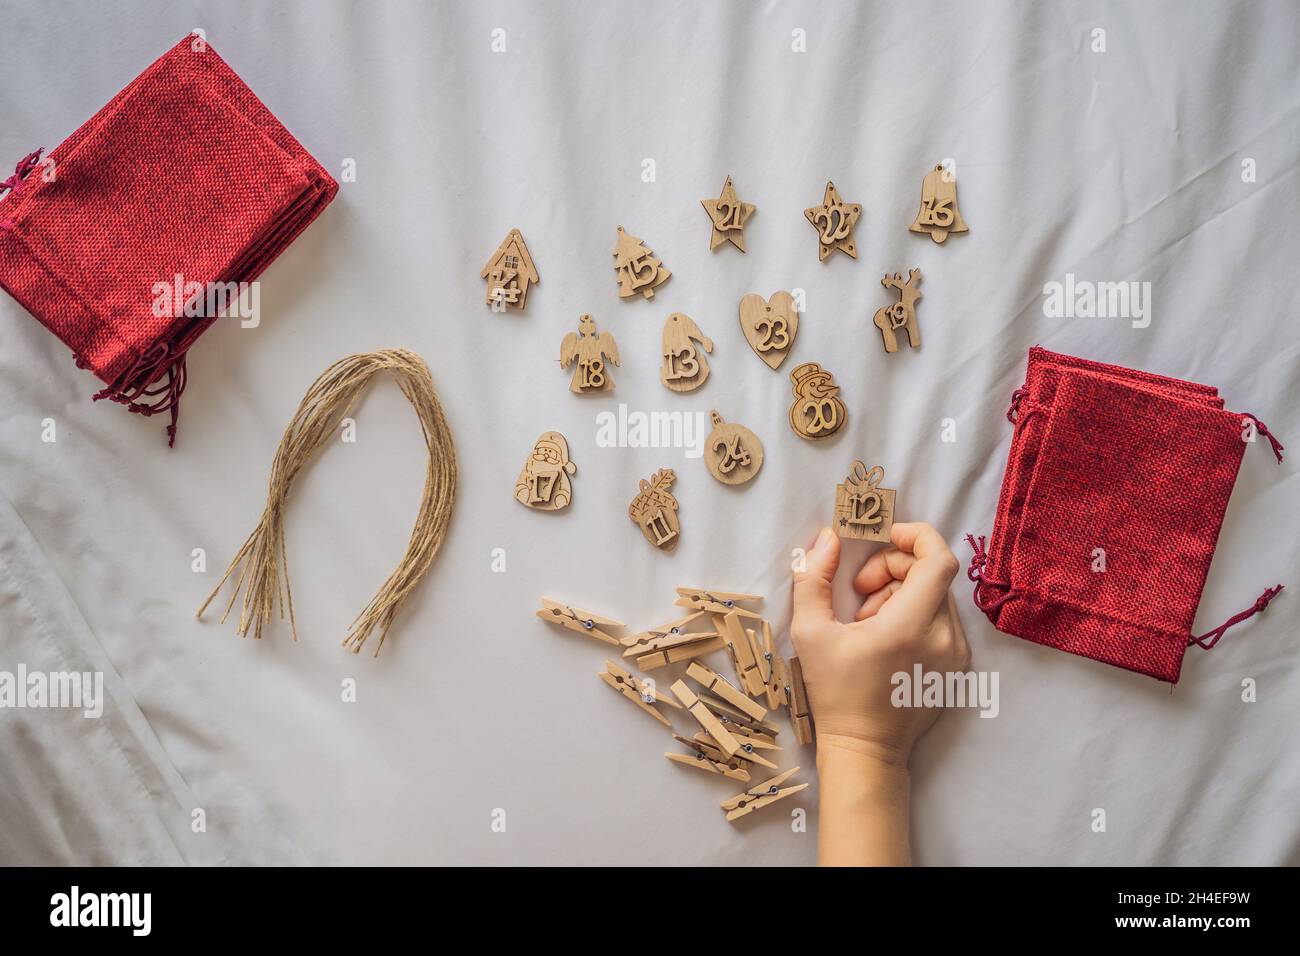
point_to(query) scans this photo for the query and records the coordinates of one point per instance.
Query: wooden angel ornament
(728, 215)
(817, 412)
(509, 273)
(654, 510)
(639, 272)
(591, 353)
(864, 510)
(685, 368)
(939, 215)
(732, 452)
(544, 483)
(902, 314)
(769, 326)
(834, 220)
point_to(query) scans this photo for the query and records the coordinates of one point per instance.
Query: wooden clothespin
(760, 795)
(748, 752)
(714, 682)
(700, 759)
(778, 675)
(697, 709)
(576, 619)
(800, 715)
(736, 720)
(641, 693)
(717, 602)
(741, 650)
(670, 643)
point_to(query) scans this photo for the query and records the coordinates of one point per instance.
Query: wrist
(872, 757)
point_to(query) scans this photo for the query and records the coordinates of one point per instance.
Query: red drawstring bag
(184, 177)
(1114, 493)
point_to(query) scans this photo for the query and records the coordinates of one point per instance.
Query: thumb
(812, 586)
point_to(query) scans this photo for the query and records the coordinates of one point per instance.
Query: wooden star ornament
(834, 220)
(728, 215)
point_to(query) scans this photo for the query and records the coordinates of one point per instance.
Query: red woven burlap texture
(185, 172)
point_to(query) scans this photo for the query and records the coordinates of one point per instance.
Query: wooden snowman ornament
(638, 269)
(817, 412)
(732, 452)
(685, 368)
(590, 353)
(863, 510)
(544, 483)
(939, 216)
(654, 510)
(902, 314)
(769, 326)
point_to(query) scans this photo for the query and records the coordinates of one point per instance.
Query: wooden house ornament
(685, 368)
(902, 314)
(591, 354)
(863, 510)
(818, 411)
(939, 215)
(732, 453)
(834, 220)
(728, 215)
(639, 272)
(509, 273)
(654, 510)
(769, 326)
(544, 483)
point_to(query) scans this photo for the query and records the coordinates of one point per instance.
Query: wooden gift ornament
(902, 314)
(576, 619)
(817, 412)
(864, 510)
(684, 368)
(939, 215)
(769, 326)
(728, 215)
(834, 220)
(638, 270)
(654, 510)
(732, 452)
(589, 352)
(509, 273)
(544, 483)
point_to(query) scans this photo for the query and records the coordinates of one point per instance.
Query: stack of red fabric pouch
(184, 180)
(1114, 493)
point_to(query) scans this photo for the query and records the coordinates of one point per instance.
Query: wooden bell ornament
(544, 483)
(834, 220)
(509, 273)
(817, 412)
(684, 368)
(863, 510)
(654, 510)
(939, 215)
(732, 452)
(639, 272)
(769, 326)
(728, 215)
(590, 353)
(902, 314)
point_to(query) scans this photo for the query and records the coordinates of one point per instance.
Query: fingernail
(824, 538)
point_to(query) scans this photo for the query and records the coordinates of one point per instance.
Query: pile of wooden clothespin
(734, 735)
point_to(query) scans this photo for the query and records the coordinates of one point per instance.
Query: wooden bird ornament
(902, 314)
(654, 510)
(684, 368)
(544, 482)
(939, 215)
(728, 215)
(590, 352)
(639, 272)
(834, 220)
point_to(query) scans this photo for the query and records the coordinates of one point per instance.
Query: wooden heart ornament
(769, 326)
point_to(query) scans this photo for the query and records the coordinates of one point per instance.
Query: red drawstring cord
(1210, 638)
(1272, 439)
(1016, 397)
(22, 171)
(976, 572)
(160, 397)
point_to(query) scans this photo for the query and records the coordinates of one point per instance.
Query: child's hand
(907, 618)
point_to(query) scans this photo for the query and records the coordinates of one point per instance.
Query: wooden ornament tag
(939, 215)
(817, 411)
(834, 220)
(638, 270)
(508, 273)
(728, 215)
(589, 352)
(685, 368)
(544, 482)
(654, 510)
(769, 326)
(864, 510)
(902, 314)
(732, 452)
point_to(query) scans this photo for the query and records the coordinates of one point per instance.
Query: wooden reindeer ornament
(728, 215)
(685, 368)
(818, 411)
(589, 352)
(654, 510)
(769, 326)
(732, 452)
(939, 215)
(864, 510)
(834, 220)
(638, 270)
(902, 314)
(544, 483)
(508, 273)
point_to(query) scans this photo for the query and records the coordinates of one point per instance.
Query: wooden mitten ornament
(544, 482)
(728, 215)
(834, 220)
(684, 368)
(817, 411)
(902, 314)
(508, 274)
(638, 270)
(654, 510)
(732, 452)
(939, 215)
(864, 510)
(589, 352)
(769, 326)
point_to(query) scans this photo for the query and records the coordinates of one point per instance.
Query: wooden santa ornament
(654, 510)
(544, 482)
(509, 273)
(589, 352)
(902, 314)
(728, 215)
(817, 412)
(864, 510)
(685, 368)
(939, 215)
(638, 270)
(732, 452)
(769, 326)
(834, 220)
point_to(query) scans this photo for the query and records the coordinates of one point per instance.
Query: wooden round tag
(732, 452)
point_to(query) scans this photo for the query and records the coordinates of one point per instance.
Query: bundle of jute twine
(264, 568)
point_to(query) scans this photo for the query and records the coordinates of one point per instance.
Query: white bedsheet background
(1118, 165)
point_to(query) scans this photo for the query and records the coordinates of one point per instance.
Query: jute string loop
(262, 562)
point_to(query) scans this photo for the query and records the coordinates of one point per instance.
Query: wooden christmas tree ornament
(544, 483)
(939, 215)
(638, 270)
(654, 510)
(589, 352)
(834, 220)
(902, 314)
(684, 368)
(864, 510)
(728, 215)
(509, 273)
(732, 452)
(769, 326)
(583, 622)
(818, 411)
